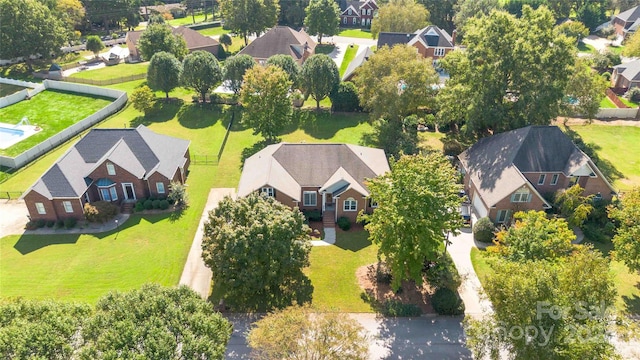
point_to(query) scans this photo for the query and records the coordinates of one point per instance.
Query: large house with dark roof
(112, 165)
(358, 13)
(431, 42)
(361, 57)
(626, 22)
(330, 178)
(626, 75)
(514, 170)
(194, 40)
(281, 40)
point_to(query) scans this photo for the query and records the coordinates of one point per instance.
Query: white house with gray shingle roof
(322, 177)
(115, 165)
(520, 169)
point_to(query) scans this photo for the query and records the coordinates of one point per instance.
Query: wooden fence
(106, 81)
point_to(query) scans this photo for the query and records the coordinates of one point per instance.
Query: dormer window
(349, 11)
(111, 169)
(522, 195)
(268, 191)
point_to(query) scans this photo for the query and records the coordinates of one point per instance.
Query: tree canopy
(265, 101)
(94, 44)
(574, 205)
(292, 13)
(405, 16)
(155, 323)
(627, 238)
(249, 16)
(323, 18)
(320, 76)
(158, 37)
(441, 13)
(163, 73)
(417, 205)
(296, 333)
(468, 9)
(113, 12)
(257, 248)
(509, 76)
(201, 72)
(29, 28)
(290, 66)
(584, 91)
(234, 69)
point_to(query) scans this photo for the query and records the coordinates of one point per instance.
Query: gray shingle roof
(280, 40)
(357, 61)
(390, 39)
(431, 36)
(139, 151)
(496, 163)
(288, 167)
(629, 70)
(630, 15)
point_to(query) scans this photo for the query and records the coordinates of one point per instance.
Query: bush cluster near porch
(53, 111)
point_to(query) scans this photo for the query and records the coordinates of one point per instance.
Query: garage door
(478, 206)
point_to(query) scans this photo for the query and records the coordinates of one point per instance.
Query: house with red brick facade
(281, 40)
(358, 13)
(330, 178)
(516, 170)
(431, 42)
(626, 22)
(194, 40)
(115, 165)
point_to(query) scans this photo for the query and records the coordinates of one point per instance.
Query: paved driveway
(395, 338)
(13, 217)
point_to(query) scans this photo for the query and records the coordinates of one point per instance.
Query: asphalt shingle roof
(280, 40)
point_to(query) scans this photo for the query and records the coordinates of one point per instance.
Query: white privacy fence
(59, 138)
(617, 113)
(32, 89)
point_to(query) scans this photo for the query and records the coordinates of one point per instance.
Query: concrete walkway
(471, 291)
(13, 217)
(195, 273)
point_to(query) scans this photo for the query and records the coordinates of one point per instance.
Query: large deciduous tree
(627, 238)
(72, 14)
(257, 248)
(155, 323)
(418, 204)
(441, 12)
(292, 13)
(265, 101)
(323, 18)
(320, 76)
(201, 72)
(290, 66)
(574, 205)
(32, 329)
(163, 73)
(234, 69)
(29, 28)
(94, 44)
(405, 16)
(514, 73)
(296, 333)
(157, 38)
(249, 16)
(468, 9)
(113, 12)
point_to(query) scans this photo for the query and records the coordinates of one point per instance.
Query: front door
(129, 193)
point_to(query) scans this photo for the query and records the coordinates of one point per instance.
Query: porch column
(324, 200)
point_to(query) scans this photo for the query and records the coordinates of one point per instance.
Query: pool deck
(11, 134)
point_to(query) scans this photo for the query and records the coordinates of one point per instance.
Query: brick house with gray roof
(358, 13)
(194, 40)
(626, 22)
(330, 178)
(514, 170)
(431, 42)
(115, 165)
(281, 40)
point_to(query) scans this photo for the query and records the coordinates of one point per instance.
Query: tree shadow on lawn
(606, 167)
(353, 243)
(233, 112)
(199, 116)
(29, 243)
(632, 303)
(323, 124)
(162, 112)
(250, 151)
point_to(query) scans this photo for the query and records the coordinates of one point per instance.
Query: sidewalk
(196, 274)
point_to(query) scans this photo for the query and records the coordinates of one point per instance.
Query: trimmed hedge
(447, 302)
(345, 98)
(395, 308)
(483, 230)
(344, 223)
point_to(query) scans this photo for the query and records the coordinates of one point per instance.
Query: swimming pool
(12, 134)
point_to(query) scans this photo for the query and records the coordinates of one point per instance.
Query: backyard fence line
(608, 113)
(32, 89)
(204, 159)
(10, 195)
(66, 134)
(105, 82)
(226, 135)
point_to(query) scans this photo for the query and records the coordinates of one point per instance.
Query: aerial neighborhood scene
(319, 179)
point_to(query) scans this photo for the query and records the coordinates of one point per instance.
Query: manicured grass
(237, 43)
(480, 264)
(616, 49)
(607, 103)
(213, 31)
(333, 272)
(582, 47)
(325, 48)
(629, 103)
(431, 139)
(348, 57)
(188, 20)
(356, 33)
(53, 111)
(617, 147)
(113, 72)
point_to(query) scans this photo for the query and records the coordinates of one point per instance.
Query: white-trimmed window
(554, 179)
(268, 191)
(373, 203)
(502, 216)
(111, 169)
(109, 193)
(368, 11)
(40, 208)
(364, 11)
(438, 52)
(350, 204)
(522, 195)
(541, 179)
(344, 21)
(67, 206)
(309, 198)
(349, 11)
(355, 21)
(160, 187)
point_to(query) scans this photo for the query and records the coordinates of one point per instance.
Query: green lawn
(356, 33)
(113, 72)
(348, 57)
(616, 49)
(629, 103)
(53, 111)
(333, 272)
(431, 139)
(213, 31)
(607, 103)
(582, 47)
(325, 48)
(617, 147)
(237, 43)
(188, 20)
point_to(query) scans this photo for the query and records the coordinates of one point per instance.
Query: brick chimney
(453, 36)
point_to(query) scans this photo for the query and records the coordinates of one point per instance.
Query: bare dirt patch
(381, 292)
(316, 229)
(609, 122)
